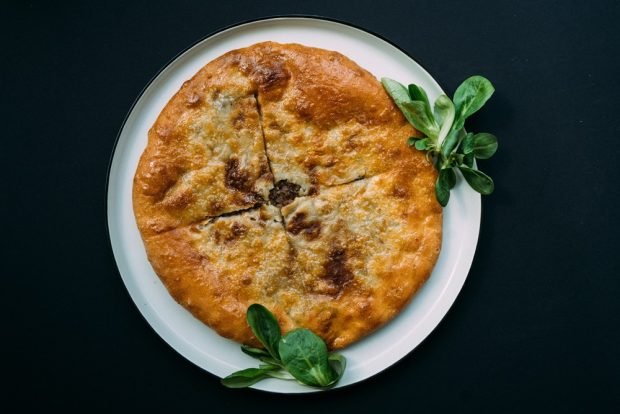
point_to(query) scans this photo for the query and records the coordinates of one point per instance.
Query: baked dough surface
(279, 174)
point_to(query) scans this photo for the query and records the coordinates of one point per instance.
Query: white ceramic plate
(173, 323)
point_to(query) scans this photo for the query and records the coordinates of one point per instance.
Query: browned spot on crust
(330, 162)
(264, 170)
(304, 108)
(263, 215)
(283, 193)
(311, 166)
(240, 180)
(352, 143)
(157, 226)
(217, 206)
(298, 224)
(394, 152)
(236, 177)
(193, 99)
(215, 93)
(158, 178)
(274, 125)
(216, 236)
(400, 192)
(335, 267)
(325, 319)
(252, 198)
(237, 230)
(179, 200)
(271, 76)
(239, 120)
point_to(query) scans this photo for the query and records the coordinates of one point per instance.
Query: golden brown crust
(361, 252)
(205, 155)
(354, 229)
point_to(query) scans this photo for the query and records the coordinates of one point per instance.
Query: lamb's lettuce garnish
(445, 140)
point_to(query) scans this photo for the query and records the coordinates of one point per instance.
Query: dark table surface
(536, 324)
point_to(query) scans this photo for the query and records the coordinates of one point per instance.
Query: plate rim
(139, 97)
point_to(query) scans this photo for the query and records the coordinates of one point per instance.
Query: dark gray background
(536, 324)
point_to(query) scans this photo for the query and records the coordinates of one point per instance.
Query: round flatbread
(280, 175)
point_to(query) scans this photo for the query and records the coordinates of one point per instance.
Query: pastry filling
(283, 193)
